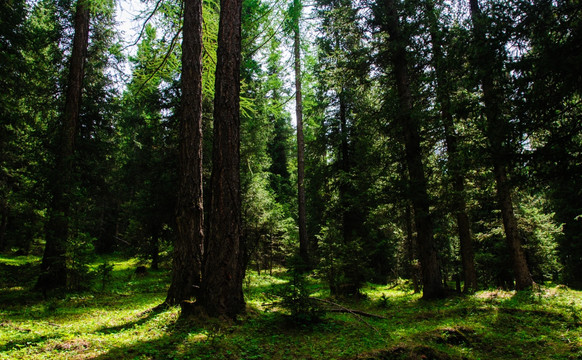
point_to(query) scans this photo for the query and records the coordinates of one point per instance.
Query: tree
(12, 42)
(409, 127)
(458, 202)
(497, 130)
(188, 248)
(295, 14)
(53, 267)
(221, 291)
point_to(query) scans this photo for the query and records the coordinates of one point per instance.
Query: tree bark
(4, 212)
(348, 215)
(303, 240)
(497, 129)
(188, 249)
(459, 205)
(53, 267)
(224, 255)
(431, 275)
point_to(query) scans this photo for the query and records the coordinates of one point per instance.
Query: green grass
(118, 323)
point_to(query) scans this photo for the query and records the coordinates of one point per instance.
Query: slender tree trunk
(459, 206)
(348, 217)
(3, 223)
(411, 248)
(155, 248)
(303, 240)
(53, 266)
(431, 274)
(223, 274)
(188, 249)
(497, 130)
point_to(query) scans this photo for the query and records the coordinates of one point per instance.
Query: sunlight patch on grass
(19, 260)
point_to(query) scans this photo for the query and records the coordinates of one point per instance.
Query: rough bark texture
(458, 203)
(224, 255)
(497, 128)
(303, 241)
(53, 267)
(188, 249)
(431, 275)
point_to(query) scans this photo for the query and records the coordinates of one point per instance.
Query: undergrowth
(116, 319)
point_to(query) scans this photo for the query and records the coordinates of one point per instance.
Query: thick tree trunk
(53, 266)
(459, 206)
(497, 130)
(431, 275)
(303, 240)
(224, 256)
(188, 249)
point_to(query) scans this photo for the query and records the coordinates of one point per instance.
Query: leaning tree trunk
(303, 241)
(53, 267)
(431, 275)
(497, 130)
(188, 248)
(224, 255)
(459, 205)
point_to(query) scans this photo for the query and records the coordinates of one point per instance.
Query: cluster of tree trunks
(212, 268)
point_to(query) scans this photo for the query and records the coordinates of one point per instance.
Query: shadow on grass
(165, 347)
(144, 317)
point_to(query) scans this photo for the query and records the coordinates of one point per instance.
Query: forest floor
(117, 320)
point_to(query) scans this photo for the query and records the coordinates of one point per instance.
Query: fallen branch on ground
(344, 309)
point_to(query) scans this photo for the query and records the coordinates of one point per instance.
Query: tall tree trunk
(3, 223)
(155, 247)
(411, 248)
(459, 205)
(431, 275)
(348, 217)
(53, 267)
(303, 240)
(224, 256)
(188, 249)
(497, 130)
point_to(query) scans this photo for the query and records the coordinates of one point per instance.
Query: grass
(119, 323)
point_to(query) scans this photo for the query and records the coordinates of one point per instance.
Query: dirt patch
(406, 353)
(73, 345)
(455, 336)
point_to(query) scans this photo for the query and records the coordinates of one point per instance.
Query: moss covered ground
(120, 321)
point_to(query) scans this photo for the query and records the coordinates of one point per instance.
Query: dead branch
(344, 309)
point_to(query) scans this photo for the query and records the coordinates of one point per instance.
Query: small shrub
(80, 253)
(104, 273)
(297, 296)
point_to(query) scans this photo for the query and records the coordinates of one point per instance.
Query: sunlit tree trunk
(188, 249)
(53, 266)
(223, 273)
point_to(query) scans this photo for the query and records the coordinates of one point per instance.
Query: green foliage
(121, 323)
(540, 234)
(296, 294)
(104, 273)
(80, 253)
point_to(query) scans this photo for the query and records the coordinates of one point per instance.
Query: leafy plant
(104, 272)
(297, 295)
